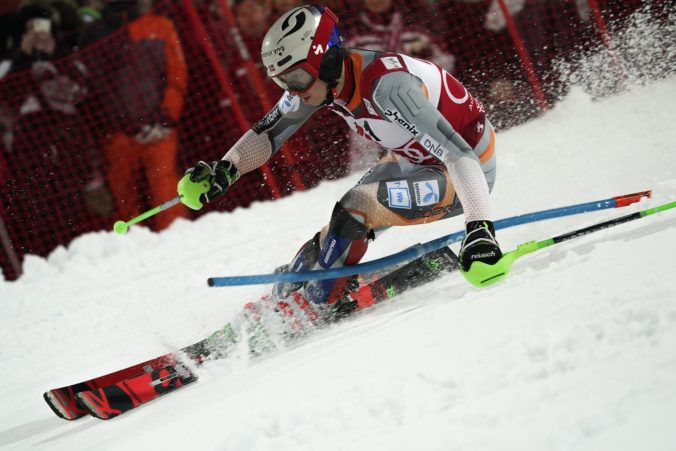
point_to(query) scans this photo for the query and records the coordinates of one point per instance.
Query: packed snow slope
(575, 351)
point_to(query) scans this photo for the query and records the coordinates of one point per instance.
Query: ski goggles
(298, 79)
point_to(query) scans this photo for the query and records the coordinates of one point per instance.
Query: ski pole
(417, 250)
(121, 227)
(189, 193)
(481, 274)
(612, 202)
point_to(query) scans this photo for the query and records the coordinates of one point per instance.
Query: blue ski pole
(417, 250)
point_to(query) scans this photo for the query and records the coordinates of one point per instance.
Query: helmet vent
(284, 60)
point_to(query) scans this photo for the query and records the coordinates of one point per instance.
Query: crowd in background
(56, 170)
(109, 113)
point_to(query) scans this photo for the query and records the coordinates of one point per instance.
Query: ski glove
(220, 175)
(479, 245)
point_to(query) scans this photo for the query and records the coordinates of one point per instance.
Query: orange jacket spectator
(146, 84)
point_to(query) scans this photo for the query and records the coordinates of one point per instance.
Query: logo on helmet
(277, 52)
(299, 21)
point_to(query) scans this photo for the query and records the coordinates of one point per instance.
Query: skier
(441, 161)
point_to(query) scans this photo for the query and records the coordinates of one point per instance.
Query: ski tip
(62, 406)
(86, 400)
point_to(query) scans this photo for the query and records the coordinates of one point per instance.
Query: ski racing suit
(441, 159)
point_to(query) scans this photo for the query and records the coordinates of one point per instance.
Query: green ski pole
(481, 274)
(188, 193)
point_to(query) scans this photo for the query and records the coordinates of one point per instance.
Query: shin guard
(345, 244)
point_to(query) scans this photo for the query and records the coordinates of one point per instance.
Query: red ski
(63, 400)
(113, 400)
(111, 395)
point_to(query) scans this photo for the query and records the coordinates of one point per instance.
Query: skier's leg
(344, 243)
(401, 193)
(123, 154)
(308, 255)
(394, 193)
(383, 198)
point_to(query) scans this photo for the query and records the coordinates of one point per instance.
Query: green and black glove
(220, 174)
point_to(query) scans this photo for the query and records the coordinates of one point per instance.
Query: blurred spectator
(146, 83)
(488, 61)
(37, 36)
(279, 7)
(114, 15)
(393, 26)
(52, 179)
(8, 11)
(89, 10)
(340, 7)
(70, 22)
(253, 18)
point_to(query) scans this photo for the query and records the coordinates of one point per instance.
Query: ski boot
(305, 260)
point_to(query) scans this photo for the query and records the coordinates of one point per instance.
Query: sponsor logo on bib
(398, 194)
(426, 192)
(395, 117)
(433, 147)
(391, 62)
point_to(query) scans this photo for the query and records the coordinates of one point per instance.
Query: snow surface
(575, 351)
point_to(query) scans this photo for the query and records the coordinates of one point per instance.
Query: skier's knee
(345, 244)
(345, 225)
(356, 199)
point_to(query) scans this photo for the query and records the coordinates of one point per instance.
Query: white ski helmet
(295, 45)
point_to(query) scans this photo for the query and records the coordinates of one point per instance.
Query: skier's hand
(220, 174)
(479, 245)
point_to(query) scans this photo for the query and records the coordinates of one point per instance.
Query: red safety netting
(105, 132)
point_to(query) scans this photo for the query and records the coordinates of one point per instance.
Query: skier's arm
(267, 135)
(403, 93)
(254, 148)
